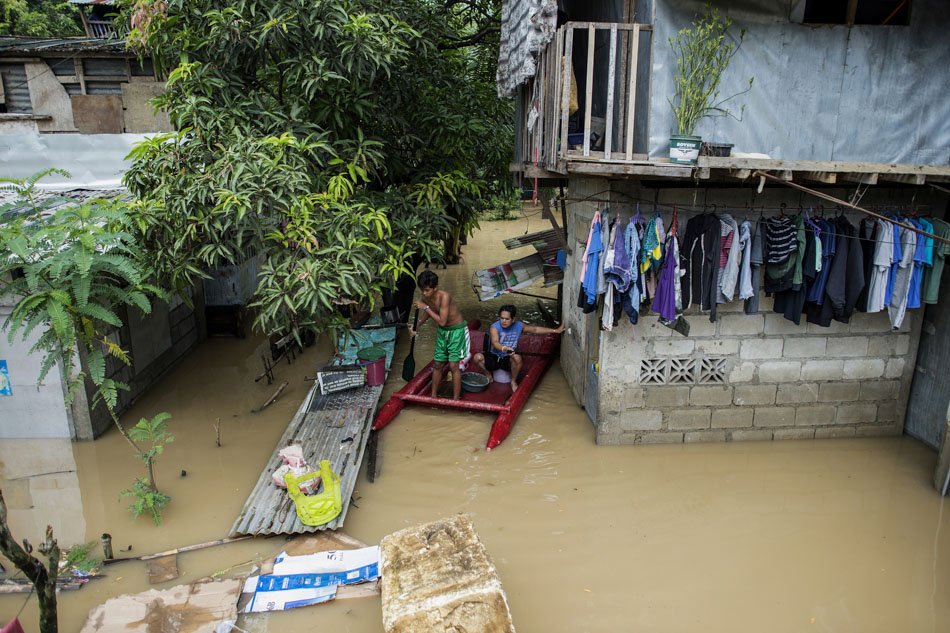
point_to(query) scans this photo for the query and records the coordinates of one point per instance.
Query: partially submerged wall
(744, 377)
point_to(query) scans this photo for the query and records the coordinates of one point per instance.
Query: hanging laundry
(920, 259)
(782, 246)
(930, 287)
(728, 274)
(700, 254)
(651, 248)
(630, 299)
(587, 298)
(897, 255)
(790, 298)
(881, 267)
(664, 303)
(829, 238)
(867, 232)
(607, 315)
(845, 279)
(756, 259)
(745, 267)
(897, 308)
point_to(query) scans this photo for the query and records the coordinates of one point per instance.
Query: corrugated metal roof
(547, 244)
(334, 427)
(16, 90)
(107, 3)
(12, 46)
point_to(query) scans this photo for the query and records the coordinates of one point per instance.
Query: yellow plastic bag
(320, 508)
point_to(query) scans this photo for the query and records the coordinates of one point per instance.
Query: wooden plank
(589, 90)
(546, 211)
(786, 174)
(829, 178)
(659, 170)
(909, 179)
(611, 74)
(741, 174)
(862, 179)
(770, 164)
(632, 91)
(566, 85)
(606, 25)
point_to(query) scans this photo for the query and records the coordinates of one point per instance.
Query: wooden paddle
(409, 365)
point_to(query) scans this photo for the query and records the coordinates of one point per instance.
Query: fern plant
(70, 271)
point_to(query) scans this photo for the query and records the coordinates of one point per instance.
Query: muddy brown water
(827, 535)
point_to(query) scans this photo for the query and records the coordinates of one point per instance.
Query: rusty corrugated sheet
(547, 244)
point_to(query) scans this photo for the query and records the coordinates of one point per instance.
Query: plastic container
(373, 359)
(716, 149)
(502, 376)
(684, 150)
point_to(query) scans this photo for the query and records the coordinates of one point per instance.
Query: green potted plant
(702, 54)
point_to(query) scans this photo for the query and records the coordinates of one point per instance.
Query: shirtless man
(451, 339)
(504, 334)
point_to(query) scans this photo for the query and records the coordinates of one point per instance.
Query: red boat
(538, 352)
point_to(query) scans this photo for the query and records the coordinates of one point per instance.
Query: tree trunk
(39, 574)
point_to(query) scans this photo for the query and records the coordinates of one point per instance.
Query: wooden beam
(659, 170)
(611, 75)
(533, 171)
(566, 66)
(909, 179)
(546, 212)
(861, 179)
(741, 174)
(632, 91)
(827, 177)
(770, 164)
(589, 89)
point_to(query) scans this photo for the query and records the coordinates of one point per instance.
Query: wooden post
(632, 90)
(611, 73)
(589, 84)
(546, 211)
(566, 87)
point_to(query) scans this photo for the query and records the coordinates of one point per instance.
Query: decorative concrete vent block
(683, 370)
(437, 578)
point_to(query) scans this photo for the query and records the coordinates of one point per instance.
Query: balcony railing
(101, 29)
(604, 125)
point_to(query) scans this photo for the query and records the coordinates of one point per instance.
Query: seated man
(504, 334)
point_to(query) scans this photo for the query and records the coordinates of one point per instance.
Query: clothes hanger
(782, 208)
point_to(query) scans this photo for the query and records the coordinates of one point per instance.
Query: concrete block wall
(744, 377)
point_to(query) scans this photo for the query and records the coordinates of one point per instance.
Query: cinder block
(838, 391)
(731, 418)
(836, 327)
(862, 322)
(777, 324)
(863, 368)
(780, 371)
(686, 419)
(820, 415)
(877, 430)
(887, 412)
(805, 347)
(673, 347)
(774, 416)
(832, 432)
(823, 370)
(741, 324)
(649, 328)
(641, 420)
(880, 389)
(718, 346)
(760, 348)
(751, 435)
(666, 396)
(847, 346)
(797, 393)
(895, 368)
(633, 397)
(742, 372)
(755, 394)
(793, 434)
(856, 414)
(613, 438)
(705, 436)
(889, 345)
(710, 395)
(659, 438)
(700, 325)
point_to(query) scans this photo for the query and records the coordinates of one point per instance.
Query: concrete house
(846, 102)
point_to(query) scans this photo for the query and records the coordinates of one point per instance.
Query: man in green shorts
(451, 340)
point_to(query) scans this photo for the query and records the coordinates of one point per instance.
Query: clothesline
(825, 196)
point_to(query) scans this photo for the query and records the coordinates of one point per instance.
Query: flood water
(811, 536)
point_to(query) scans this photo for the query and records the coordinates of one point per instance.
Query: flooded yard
(827, 535)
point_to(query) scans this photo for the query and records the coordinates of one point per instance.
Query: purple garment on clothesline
(664, 303)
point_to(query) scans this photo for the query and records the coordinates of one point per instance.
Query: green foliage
(145, 499)
(39, 18)
(343, 141)
(155, 434)
(77, 558)
(702, 54)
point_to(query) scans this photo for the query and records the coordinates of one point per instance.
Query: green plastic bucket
(684, 150)
(371, 353)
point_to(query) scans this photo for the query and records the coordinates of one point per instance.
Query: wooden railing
(606, 81)
(101, 29)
